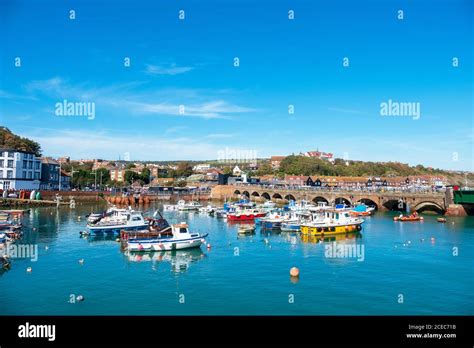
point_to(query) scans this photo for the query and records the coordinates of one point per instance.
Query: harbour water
(407, 269)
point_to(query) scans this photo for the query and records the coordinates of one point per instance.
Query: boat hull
(271, 225)
(290, 227)
(114, 229)
(329, 230)
(164, 245)
(244, 217)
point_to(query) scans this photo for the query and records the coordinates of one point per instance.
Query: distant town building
(321, 155)
(275, 161)
(212, 174)
(98, 164)
(49, 174)
(19, 170)
(117, 174)
(236, 171)
(162, 182)
(201, 167)
(65, 181)
(63, 160)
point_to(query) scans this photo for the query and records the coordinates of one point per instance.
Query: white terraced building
(19, 170)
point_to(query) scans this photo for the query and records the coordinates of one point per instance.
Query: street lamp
(72, 174)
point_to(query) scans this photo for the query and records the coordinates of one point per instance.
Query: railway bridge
(383, 200)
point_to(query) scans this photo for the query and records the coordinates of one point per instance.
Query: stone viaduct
(432, 201)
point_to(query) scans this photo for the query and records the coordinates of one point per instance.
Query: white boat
(246, 229)
(189, 206)
(121, 219)
(179, 238)
(207, 209)
(173, 207)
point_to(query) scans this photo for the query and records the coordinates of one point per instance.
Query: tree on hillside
(131, 176)
(13, 141)
(184, 169)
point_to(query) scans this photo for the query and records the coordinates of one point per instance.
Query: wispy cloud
(219, 135)
(12, 96)
(176, 129)
(170, 70)
(102, 144)
(345, 111)
(206, 104)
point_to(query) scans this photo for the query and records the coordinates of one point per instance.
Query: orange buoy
(294, 272)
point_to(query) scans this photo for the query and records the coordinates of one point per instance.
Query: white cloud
(197, 103)
(219, 135)
(345, 111)
(110, 146)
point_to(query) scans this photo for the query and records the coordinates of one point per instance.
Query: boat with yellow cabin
(331, 222)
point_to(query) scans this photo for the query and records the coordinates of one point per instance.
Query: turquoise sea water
(244, 275)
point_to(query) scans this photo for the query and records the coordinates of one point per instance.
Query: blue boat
(290, 226)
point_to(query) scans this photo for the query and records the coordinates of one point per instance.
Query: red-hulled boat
(245, 215)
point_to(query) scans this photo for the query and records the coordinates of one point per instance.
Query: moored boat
(129, 220)
(245, 215)
(361, 210)
(188, 206)
(246, 229)
(413, 217)
(179, 238)
(330, 223)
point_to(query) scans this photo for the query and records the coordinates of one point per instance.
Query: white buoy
(81, 261)
(46, 247)
(29, 269)
(294, 272)
(80, 298)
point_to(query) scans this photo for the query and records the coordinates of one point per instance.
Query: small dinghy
(246, 229)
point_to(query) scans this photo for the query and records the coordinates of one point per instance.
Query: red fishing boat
(245, 215)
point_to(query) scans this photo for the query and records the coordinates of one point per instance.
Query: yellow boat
(332, 222)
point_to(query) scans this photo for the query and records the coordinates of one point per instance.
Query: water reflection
(180, 260)
(337, 237)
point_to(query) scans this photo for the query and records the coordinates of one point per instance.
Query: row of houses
(22, 170)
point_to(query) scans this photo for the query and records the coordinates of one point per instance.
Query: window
(24, 174)
(30, 165)
(30, 175)
(183, 230)
(37, 175)
(9, 174)
(10, 164)
(1, 173)
(2, 163)
(25, 164)
(10, 154)
(6, 185)
(37, 165)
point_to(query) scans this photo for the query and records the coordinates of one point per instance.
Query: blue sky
(190, 62)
